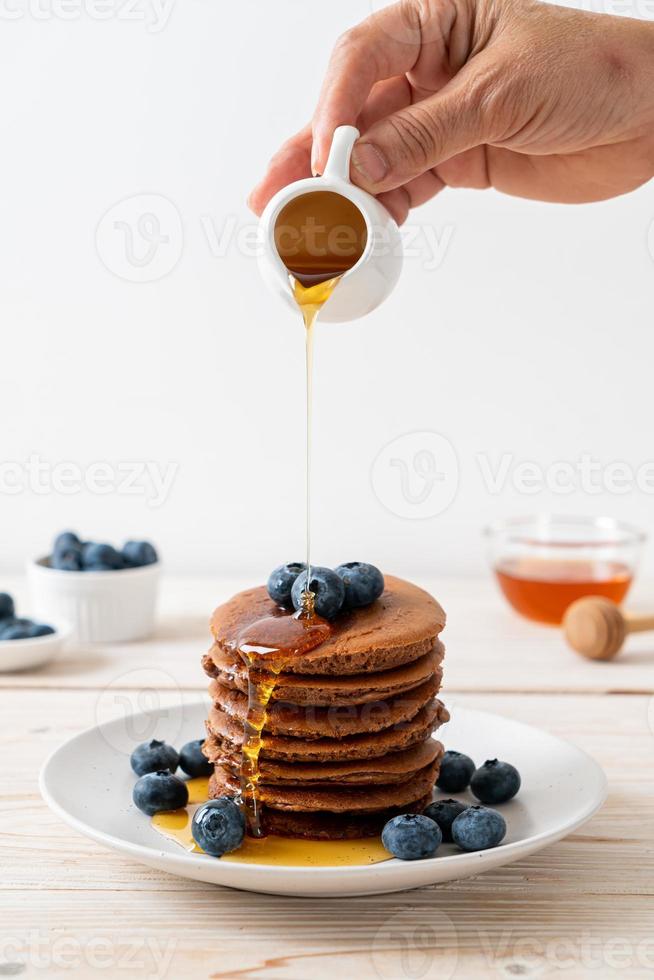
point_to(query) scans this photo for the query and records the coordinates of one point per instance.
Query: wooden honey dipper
(596, 627)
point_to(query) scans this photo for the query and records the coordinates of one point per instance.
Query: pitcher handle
(338, 163)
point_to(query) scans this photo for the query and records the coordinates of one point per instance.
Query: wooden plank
(488, 647)
(584, 907)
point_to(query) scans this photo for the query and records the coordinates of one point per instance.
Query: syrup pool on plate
(175, 825)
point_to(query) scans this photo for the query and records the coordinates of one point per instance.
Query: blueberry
(363, 583)
(67, 561)
(67, 552)
(138, 553)
(193, 761)
(158, 791)
(218, 826)
(478, 828)
(154, 755)
(281, 582)
(66, 540)
(7, 610)
(99, 566)
(411, 837)
(327, 588)
(40, 629)
(495, 782)
(17, 629)
(97, 557)
(444, 813)
(455, 772)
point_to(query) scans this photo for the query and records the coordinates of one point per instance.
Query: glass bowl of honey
(543, 563)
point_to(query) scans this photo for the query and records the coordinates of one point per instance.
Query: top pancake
(401, 626)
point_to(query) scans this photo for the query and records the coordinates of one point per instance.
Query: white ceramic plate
(88, 783)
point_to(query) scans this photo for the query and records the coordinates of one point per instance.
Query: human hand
(534, 100)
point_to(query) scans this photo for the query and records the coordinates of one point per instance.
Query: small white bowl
(33, 651)
(102, 607)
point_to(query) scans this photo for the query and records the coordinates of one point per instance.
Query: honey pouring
(321, 234)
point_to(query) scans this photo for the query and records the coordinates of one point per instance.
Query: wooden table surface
(583, 907)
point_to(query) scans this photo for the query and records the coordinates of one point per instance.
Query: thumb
(463, 114)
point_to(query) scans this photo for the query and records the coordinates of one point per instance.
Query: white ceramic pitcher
(369, 282)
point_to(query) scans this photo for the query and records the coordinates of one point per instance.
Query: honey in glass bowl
(543, 564)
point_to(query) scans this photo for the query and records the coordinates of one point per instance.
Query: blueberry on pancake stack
(347, 740)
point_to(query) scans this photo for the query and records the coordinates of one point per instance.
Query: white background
(532, 337)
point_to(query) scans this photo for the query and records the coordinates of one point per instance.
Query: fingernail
(315, 157)
(370, 162)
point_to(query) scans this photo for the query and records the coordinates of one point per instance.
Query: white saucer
(33, 651)
(88, 783)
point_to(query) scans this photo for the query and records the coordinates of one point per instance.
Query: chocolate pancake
(341, 799)
(318, 689)
(322, 826)
(396, 767)
(309, 721)
(226, 733)
(400, 627)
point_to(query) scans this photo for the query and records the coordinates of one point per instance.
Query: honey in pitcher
(320, 236)
(542, 588)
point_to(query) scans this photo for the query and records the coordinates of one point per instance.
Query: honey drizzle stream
(267, 646)
(310, 297)
(270, 644)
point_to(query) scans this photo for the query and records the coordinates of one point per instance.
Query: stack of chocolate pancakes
(347, 741)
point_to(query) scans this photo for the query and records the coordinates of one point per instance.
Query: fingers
(291, 162)
(466, 113)
(401, 200)
(384, 45)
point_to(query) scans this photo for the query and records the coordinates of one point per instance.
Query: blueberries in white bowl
(99, 557)
(67, 552)
(71, 554)
(7, 607)
(136, 554)
(18, 628)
